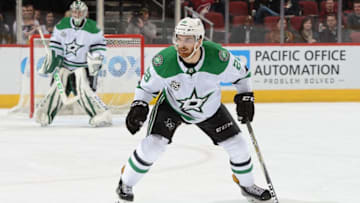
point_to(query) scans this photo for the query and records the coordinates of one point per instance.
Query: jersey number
(147, 75)
(237, 64)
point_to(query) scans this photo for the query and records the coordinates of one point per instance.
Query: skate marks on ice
(280, 200)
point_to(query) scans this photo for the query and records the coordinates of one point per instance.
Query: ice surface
(311, 151)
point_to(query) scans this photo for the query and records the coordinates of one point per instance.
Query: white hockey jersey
(194, 93)
(73, 43)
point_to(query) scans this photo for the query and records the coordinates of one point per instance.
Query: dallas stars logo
(193, 103)
(72, 47)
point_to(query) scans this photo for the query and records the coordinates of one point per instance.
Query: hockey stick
(261, 160)
(65, 100)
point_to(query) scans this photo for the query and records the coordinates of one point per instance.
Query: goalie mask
(78, 12)
(189, 27)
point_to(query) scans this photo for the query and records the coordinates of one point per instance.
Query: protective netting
(116, 81)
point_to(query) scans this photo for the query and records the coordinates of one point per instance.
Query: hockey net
(116, 82)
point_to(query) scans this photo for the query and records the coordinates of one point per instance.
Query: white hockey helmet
(78, 12)
(190, 26)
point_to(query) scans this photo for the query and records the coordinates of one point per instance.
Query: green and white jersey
(73, 43)
(194, 93)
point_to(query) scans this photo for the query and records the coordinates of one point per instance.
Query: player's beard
(185, 52)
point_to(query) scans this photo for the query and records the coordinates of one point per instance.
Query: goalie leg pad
(49, 106)
(90, 102)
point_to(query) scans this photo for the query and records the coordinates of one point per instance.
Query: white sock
(139, 163)
(240, 159)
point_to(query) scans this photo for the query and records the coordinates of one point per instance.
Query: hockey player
(77, 48)
(188, 75)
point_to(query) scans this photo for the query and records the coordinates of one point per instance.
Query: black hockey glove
(245, 106)
(136, 116)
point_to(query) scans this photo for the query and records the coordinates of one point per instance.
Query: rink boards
(291, 73)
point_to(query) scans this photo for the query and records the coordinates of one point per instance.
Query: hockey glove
(245, 106)
(136, 116)
(94, 62)
(50, 63)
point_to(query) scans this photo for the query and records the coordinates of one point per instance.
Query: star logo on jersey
(194, 102)
(170, 124)
(72, 47)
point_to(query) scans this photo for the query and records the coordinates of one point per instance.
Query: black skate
(125, 192)
(254, 193)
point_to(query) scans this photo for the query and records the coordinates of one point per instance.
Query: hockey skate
(103, 119)
(42, 118)
(254, 193)
(125, 193)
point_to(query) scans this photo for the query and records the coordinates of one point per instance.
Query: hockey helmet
(190, 26)
(78, 12)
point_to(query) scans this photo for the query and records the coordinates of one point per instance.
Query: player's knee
(236, 147)
(152, 147)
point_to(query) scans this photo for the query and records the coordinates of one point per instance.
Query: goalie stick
(262, 163)
(65, 100)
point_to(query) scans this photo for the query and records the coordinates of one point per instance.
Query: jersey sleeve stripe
(154, 94)
(247, 76)
(97, 49)
(95, 45)
(55, 47)
(55, 42)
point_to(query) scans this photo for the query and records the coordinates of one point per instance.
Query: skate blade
(122, 201)
(253, 200)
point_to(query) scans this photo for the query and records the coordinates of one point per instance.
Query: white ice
(311, 151)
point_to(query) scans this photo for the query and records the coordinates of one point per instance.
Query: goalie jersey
(73, 43)
(194, 93)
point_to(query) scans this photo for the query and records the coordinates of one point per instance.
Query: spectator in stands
(201, 6)
(247, 33)
(263, 9)
(291, 7)
(5, 36)
(330, 8)
(218, 6)
(48, 27)
(30, 25)
(307, 33)
(272, 8)
(330, 34)
(37, 16)
(353, 19)
(139, 24)
(274, 35)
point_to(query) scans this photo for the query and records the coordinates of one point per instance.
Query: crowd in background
(32, 20)
(256, 21)
(306, 21)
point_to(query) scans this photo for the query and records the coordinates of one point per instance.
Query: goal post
(122, 68)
